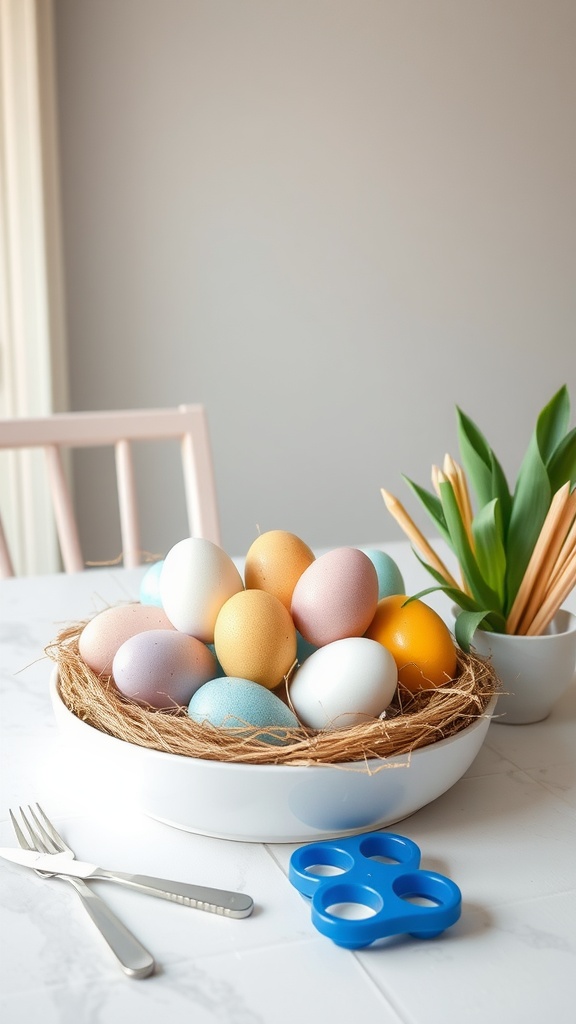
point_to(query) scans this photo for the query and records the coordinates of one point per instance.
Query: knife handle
(133, 957)
(200, 897)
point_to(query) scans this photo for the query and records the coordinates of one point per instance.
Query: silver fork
(133, 957)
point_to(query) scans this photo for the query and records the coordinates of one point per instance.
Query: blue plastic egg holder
(387, 889)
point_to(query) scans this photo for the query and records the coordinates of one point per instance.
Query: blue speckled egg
(150, 585)
(390, 579)
(231, 702)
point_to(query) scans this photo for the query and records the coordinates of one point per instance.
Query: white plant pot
(535, 671)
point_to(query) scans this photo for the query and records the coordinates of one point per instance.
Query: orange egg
(255, 638)
(419, 641)
(275, 562)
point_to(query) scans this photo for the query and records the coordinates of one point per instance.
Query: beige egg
(255, 638)
(275, 562)
(107, 631)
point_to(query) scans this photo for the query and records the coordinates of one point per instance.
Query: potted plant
(516, 552)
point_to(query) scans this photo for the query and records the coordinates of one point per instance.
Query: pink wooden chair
(187, 423)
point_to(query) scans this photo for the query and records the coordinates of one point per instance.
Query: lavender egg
(162, 668)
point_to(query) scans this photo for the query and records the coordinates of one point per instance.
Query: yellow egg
(255, 638)
(275, 563)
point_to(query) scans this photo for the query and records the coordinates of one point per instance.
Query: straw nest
(411, 721)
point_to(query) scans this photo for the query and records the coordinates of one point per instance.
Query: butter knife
(200, 897)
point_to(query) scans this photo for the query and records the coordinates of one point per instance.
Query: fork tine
(23, 842)
(45, 836)
(37, 841)
(50, 832)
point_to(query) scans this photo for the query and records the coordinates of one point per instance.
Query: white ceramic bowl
(265, 803)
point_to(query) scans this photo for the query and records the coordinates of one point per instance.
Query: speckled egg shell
(390, 579)
(255, 638)
(162, 668)
(335, 597)
(274, 562)
(107, 631)
(230, 703)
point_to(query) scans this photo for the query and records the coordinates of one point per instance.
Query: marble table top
(506, 833)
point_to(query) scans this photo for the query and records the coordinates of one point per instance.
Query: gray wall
(329, 220)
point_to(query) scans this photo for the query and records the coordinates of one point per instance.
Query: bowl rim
(363, 765)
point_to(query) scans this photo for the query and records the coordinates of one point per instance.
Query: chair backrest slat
(199, 483)
(6, 566)
(128, 504)
(63, 511)
(186, 423)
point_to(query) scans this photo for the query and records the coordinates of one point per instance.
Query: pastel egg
(255, 638)
(390, 580)
(303, 648)
(150, 585)
(162, 668)
(197, 578)
(230, 703)
(335, 597)
(107, 631)
(345, 683)
(274, 562)
(219, 670)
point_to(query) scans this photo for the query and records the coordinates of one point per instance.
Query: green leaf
(480, 589)
(534, 486)
(433, 507)
(482, 467)
(501, 491)
(530, 504)
(469, 619)
(466, 625)
(552, 423)
(562, 463)
(488, 532)
(433, 572)
(476, 456)
(460, 597)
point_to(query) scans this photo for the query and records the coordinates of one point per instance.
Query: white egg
(196, 579)
(347, 682)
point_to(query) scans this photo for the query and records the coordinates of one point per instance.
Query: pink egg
(104, 634)
(162, 668)
(335, 597)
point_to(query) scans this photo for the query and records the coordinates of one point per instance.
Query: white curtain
(33, 380)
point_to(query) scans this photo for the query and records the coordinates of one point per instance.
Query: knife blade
(199, 897)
